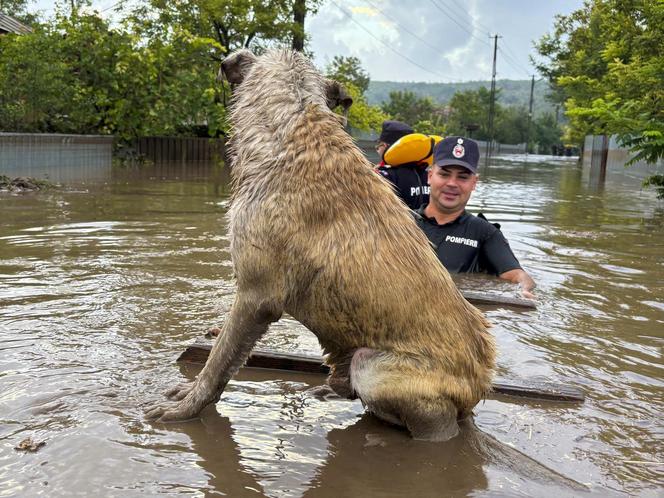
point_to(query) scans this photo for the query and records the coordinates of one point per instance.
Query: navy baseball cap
(457, 151)
(393, 131)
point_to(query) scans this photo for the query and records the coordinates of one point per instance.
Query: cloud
(364, 10)
(434, 40)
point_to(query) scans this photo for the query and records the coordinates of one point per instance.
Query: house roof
(10, 25)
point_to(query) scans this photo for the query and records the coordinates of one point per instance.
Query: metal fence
(603, 158)
(180, 149)
(80, 158)
(57, 157)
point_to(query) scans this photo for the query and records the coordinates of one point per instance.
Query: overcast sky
(426, 40)
(434, 40)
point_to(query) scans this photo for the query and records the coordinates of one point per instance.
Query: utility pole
(492, 102)
(530, 112)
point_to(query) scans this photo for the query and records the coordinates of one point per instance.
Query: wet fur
(317, 234)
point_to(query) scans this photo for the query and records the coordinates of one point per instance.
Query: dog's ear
(236, 66)
(337, 96)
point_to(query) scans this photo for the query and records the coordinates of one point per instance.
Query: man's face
(381, 147)
(451, 187)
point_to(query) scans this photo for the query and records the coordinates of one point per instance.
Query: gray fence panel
(180, 149)
(56, 156)
(604, 158)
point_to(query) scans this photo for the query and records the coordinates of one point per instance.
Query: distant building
(10, 25)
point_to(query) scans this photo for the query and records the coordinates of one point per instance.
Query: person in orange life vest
(390, 132)
(409, 179)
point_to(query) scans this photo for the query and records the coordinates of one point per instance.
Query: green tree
(233, 24)
(92, 78)
(429, 127)
(547, 133)
(406, 106)
(18, 9)
(348, 70)
(34, 91)
(512, 125)
(471, 107)
(606, 63)
(361, 115)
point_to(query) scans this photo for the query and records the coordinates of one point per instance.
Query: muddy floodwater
(103, 285)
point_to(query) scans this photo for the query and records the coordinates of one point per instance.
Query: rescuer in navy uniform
(390, 132)
(410, 179)
(464, 243)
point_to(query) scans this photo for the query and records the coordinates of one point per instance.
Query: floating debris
(23, 184)
(29, 445)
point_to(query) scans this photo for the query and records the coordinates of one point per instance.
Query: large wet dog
(317, 234)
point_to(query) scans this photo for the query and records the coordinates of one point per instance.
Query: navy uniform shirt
(410, 181)
(468, 244)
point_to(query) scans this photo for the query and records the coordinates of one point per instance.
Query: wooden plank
(198, 351)
(498, 300)
(537, 390)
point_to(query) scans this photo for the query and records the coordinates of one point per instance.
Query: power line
(510, 51)
(415, 35)
(513, 63)
(459, 24)
(512, 58)
(112, 6)
(463, 9)
(350, 17)
(437, 49)
(509, 56)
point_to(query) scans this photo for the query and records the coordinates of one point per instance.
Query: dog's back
(355, 267)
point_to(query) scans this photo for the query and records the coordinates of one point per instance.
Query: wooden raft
(199, 350)
(488, 299)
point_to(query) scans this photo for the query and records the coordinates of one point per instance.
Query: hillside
(512, 92)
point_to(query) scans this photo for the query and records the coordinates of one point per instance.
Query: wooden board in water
(488, 299)
(198, 352)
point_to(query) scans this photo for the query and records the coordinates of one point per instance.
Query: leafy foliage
(91, 78)
(656, 181)
(348, 70)
(547, 133)
(511, 125)
(408, 107)
(419, 112)
(429, 127)
(152, 74)
(18, 9)
(512, 92)
(607, 64)
(361, 115)
(233, 24)
(471, 108)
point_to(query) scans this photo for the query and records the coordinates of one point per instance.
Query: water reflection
(101, 286)
(286, 443)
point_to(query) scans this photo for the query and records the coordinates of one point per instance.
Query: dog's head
(336, 95)
(237, 66)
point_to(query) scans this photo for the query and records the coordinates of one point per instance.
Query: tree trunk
(299, 13)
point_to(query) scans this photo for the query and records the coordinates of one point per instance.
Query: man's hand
(518, 276)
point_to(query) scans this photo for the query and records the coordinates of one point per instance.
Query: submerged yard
(102, 286)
